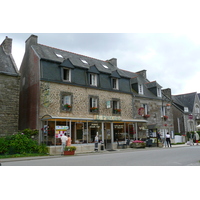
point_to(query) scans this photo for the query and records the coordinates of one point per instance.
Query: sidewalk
(87, 153)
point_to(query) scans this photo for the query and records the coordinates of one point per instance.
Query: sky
(171, 59)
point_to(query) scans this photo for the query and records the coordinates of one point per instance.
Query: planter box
(137, 145)
(66, 153)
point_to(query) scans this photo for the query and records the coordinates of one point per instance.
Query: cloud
(170, 59)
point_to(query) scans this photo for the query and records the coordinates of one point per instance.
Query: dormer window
(140, 89)
(66, 74)
(115, 83)
(93, 79)
(186, 109)
(159, 92)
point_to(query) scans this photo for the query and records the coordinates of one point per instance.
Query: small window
(140, 89)
(93, 104)
(93, 79)
(159, 92)
(67, 102)
(66, 74)
(186, 109)
(105, 66)
(145, 106)
(84, 61)
(58, 55)
(115, 83)
(116, 107)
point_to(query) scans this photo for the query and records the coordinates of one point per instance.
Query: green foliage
(42, 148)
(21, 143)
(70, 148)
(29, 132)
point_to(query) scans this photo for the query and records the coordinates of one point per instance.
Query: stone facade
(9, 104)
(50, 94)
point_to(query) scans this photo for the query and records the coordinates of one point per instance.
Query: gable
(67, 63)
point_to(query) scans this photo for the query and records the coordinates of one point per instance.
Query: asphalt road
(182, 156)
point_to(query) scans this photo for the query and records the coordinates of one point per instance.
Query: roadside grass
(178, 143)
(22, 155)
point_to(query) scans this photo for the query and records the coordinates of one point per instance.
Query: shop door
(107, 136)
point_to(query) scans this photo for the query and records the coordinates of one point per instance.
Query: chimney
(7, 45)
(113, 61)
(167, 92)
(143, 73)
(31, 40)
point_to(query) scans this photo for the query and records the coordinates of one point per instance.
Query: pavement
(88, 153)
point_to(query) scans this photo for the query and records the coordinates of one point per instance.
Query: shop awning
(49, 117)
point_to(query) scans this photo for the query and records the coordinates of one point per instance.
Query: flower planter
(137, 145)
(66, 153)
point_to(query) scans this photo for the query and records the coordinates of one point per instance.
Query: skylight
(58, 55)
(105, 66)
(84, 61)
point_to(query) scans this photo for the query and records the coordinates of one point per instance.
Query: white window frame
(115, 83)
(68, 79)
(93, 79)
(140, 89)
(197, 110)
(163, 111)
(145, 106)
(159, 94)
(93, 102)
(67, 99)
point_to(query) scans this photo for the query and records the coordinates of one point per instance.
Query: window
(58, 55)
(66, 74)
(93, 104)
(186, 109)
(197, 109)
(115, 83)
(116, 107)
(93, 79)
(106, 67)
(84, 61)
(145, 106)
(163, 111)
(66, 101)
(140, 89)
(159, 92)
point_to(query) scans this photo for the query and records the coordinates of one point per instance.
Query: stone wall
(50, 101)
(9, 104)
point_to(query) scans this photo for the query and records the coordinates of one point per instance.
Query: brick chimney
(7, 45)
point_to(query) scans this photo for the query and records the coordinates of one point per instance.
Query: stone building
(186, 109)
(152, 103)
(9, 90)
(63, 92)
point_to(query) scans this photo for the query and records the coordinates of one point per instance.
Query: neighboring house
(63, 91)
(9, 90)
(186, 109)
(153, 104)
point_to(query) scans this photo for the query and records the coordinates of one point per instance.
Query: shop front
(83, 131)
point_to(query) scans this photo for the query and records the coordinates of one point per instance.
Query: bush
(29, 132)
(20, 144)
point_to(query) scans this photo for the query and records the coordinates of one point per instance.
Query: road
(181, 156)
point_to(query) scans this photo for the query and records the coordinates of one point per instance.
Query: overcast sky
(173, 60)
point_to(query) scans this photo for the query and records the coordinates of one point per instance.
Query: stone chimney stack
(7, 45)
(113, 61)
(31, 41)
(143, 73)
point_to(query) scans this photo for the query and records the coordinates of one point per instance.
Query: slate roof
(7, 64)
(185, 100)
(49, 53)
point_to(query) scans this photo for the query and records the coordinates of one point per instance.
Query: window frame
(93, 79)
(116, 105)
(93, 103)
(115, 83)
(63, 102)
(63, 74)
(140, 88)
